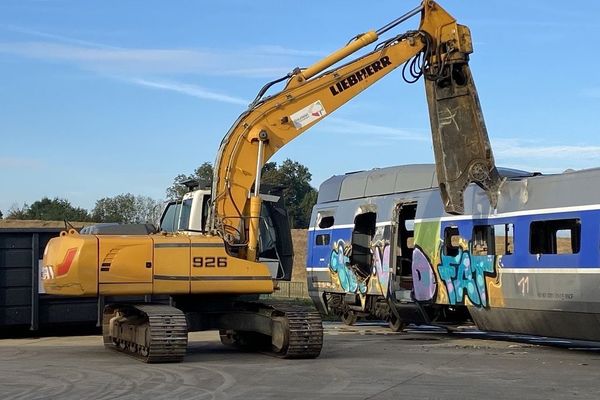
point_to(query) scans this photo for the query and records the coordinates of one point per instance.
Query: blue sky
(106, 97)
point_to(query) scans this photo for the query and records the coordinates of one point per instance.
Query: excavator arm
(438, 50)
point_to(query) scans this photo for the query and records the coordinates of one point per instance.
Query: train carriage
(381, 246)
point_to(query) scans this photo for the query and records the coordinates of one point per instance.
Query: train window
(504, 234)
(483, 240)
(326, 222)
(322, 240)
(451, 241)
(491, 240)
(560, 236)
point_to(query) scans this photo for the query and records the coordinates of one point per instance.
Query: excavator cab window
(205, 209)
(186, 211)
(267, 235)
(275, 238)
(169, 217)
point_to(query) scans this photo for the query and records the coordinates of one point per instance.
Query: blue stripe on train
(317, 256)
(588, 256)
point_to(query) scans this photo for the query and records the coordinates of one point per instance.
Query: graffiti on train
(380, 248)
(464, 276)
(381, 263)
(424, 281)
(339, 262)
(347, 274)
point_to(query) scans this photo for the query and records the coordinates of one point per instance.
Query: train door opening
(362, 235)
(404, 250)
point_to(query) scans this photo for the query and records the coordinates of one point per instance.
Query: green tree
(203, 174)
(16, 212)
(291, 177)
(126, 209)
(306, 206)
(298, 194)
(1, 215)
(49, 210)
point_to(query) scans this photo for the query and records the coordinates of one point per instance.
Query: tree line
(124, 208)
(291, 179)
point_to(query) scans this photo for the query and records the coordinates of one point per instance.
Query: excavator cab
(190, 215)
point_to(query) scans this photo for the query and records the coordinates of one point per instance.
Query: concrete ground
(362, 362)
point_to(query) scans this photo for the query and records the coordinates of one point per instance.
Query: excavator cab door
(275, 238)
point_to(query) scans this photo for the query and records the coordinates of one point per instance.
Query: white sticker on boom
(308, 114)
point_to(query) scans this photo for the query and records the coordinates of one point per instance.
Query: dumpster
(22, 301)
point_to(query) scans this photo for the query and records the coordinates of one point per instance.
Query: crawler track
(305, 331)
(158, 333)
(282, 330)
(151, 333)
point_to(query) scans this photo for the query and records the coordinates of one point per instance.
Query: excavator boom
(438, 50)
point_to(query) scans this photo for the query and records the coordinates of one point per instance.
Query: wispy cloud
(536, 155)
(150, 67)
(54, 37)
(373, 133)
(526, 149)
(275, 50)
(119, 60)
(19, 162)
(115, 60)
(190, 90)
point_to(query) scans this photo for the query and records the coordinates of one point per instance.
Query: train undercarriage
(397, 314)
(348, 308)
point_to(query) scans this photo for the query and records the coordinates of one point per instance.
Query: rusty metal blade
(462, 149)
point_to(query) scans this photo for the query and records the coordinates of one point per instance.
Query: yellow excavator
(217, 250)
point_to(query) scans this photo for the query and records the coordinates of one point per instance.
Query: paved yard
(363, 362)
